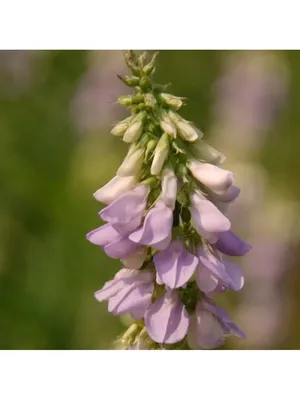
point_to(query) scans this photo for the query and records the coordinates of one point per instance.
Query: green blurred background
(57, 109)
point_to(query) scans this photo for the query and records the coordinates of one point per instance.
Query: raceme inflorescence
(165, 219)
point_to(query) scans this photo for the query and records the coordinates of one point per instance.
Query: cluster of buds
(165, 219)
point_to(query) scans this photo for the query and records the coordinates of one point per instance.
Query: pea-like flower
(129, 292)
(156, 229)
(167, 319)
(209, 222)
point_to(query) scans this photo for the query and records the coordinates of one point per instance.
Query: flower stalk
(165, 220)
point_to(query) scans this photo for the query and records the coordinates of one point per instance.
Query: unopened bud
(128, 100)
(120, 128)
(186, 130)
(149, 68)
(150, 147)
(135, 129)
(141, 59)
(145, 82)
(129, 59)
(150, 100)
(172, 101)
(167, 125)
(160, 154)
(207, 153)
(131, 81)
(169, 188)
(132, 163)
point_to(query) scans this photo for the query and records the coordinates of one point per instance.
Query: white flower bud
(150, 100)
(169, 188)
(171, 100)
(207, 153)
(167, 125)
(115, 188)
(120, 128)
(135, 128)
(136, 259)
(133, 132)
(215, 178)
(132, 162)
(186, 130)
(160, 154)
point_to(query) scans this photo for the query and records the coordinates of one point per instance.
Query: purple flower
(125, 213)
(129, 292)
(205, 331)
(208, 326)
(228, 326)
(175, 265)
(114, 245)
(115, 188)
(223, 201)
(216, 275)
(230, 244)
(215, 178)
(209, 222)
(103, 236)
(156, 230)
(166, 319)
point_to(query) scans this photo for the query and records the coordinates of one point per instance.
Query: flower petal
(166, 319)
(114, 188)
(121, 248)
(103, 236)
(175, 265)
(206, 281)
(215, 266)
(156, 228)
(125, 213)
(205, 331)
(215, 178)
(229, 195)
(235, 274)
(110, 289)
(206, 217)
(228, 324)
(230, 244)
(131, 298)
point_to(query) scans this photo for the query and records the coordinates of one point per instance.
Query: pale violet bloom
(212, 176)
(205, 332)
(129, 292)
(208, 221)
(175, 265)
(114, 188)
(156, 229)
(166, 319)
(214, 274)
(114, 245)
(209, 325)
(125, 213)
(231, 245)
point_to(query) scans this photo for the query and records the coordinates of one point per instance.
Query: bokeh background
(56, 111)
